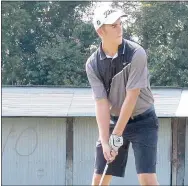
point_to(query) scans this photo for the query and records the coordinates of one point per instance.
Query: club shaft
(103, 175)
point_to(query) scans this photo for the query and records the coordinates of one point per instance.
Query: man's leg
(148, 179)
(97, 177)
(145, 159)
(144, 143)
(116, 168)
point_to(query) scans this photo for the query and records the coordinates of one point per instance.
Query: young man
(118, 74)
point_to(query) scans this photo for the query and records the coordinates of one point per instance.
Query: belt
(142, 116)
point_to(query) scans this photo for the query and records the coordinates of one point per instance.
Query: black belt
(142, 116)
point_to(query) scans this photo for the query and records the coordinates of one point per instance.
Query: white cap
(106, 15)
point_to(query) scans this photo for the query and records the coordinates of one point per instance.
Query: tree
(162, 30)
(45, 43)
(15, 22)
(48, 43)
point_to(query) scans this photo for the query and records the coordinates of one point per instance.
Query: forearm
(103, 119)
(126, 111)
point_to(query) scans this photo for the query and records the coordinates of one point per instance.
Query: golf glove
(115, 142)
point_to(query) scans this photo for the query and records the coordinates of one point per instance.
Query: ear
(100, 32)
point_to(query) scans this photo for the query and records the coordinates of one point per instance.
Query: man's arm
(102, 107)
(137, 79)
(102, 110)
(126, 111)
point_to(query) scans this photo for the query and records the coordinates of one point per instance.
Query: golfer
(118, 74)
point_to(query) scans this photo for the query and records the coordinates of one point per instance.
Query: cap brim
(114, 17)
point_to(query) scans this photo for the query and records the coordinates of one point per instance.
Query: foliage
(48, 43)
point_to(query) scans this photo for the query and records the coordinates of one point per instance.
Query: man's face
(112, 32)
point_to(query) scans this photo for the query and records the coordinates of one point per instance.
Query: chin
(117, 41)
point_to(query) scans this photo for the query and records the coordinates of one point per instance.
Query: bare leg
(97, 177)
(148, 179)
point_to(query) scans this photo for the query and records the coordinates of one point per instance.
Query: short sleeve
(96, 84)
(138, 73)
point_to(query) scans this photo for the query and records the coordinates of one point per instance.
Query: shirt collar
(121, 50)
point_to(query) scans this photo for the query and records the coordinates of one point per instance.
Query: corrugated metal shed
(33, 151)
(84, 154)
(64, 102)
(186, 154)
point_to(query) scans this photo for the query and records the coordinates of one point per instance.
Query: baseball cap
(106, 15)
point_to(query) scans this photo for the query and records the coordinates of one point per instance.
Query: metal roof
(64, 102)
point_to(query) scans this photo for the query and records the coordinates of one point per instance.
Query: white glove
(115, 142)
